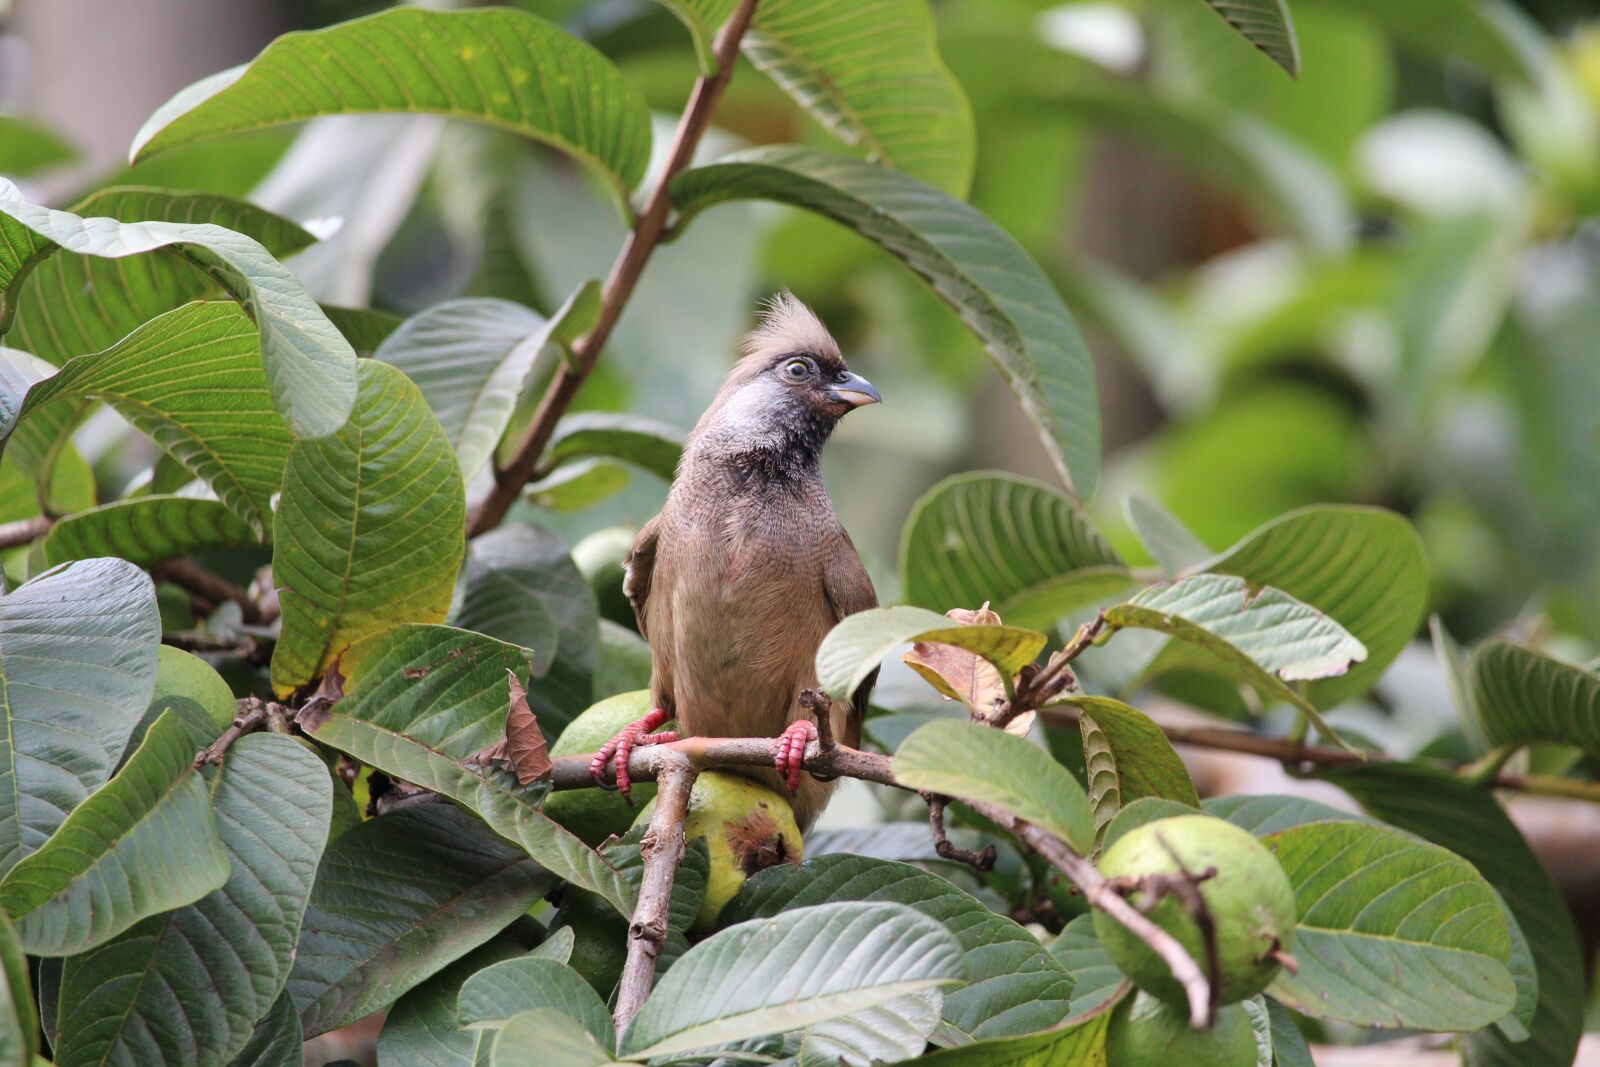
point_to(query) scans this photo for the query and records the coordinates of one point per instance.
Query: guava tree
(391, 810)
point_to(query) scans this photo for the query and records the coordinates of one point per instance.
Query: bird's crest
(788, 328)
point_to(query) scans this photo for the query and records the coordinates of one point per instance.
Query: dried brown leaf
(525, 745)
(959, 674)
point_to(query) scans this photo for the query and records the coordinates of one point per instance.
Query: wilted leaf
(524, 743)
(960, 674)
(854, 648)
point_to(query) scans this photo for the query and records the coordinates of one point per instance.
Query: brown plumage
(746, 569)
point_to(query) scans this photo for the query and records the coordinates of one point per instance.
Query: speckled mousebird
(747, 567)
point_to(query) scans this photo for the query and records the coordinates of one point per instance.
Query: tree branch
(24, 531)
(196, 579)
(1297, 755)
(646, 234)
(662, 851)
(572, 772)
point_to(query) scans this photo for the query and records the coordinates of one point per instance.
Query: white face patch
(746, 414)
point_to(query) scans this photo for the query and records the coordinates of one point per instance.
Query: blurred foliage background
(1375, 283)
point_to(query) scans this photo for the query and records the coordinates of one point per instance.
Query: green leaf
(863, 77)
(544, 1037)
(194, 691)
(1278, 181)
(801, 967)
(1020, 545)
(421, 1029)
(508, 808)
(1522, 696)
(276, 1040)
(191, 380)
(1289, 1048)
(370, 530)
(365, 328)
(19, 1019)
(502, 67)
(70, 304)
(1263, 635)
(1479, 33)
(78, 664)
(189, 986)
(472, 358)
(964, 760)
(147, 530)
(28, 147)
(144, 842)
(1469, 822)
(1074, 1044)
(395, 900)
(1013, 987)
(1265, 24)
(578, 485)
(1172, 543)
(645, 443)
(441, 687)
(1127, 758)
(1265, 814)
(854, 648)
(519, 580)
(1393, 932)
(1362, 567)
(888, 1033)
(1096, 979)
(310, 367)
(969, 262)
(492, 996)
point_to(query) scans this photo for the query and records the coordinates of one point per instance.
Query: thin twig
(662, 851)
(24, 531)
(1302, 757)
(982, 859)
(196, 579)
(642, 240)
(254, 713)
(1057, 675)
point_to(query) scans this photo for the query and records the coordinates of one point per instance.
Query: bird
(747, 567)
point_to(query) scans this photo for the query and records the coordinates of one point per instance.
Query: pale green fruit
(1250, 901)
(595, 814)
(1146, 1031)
(747, 827)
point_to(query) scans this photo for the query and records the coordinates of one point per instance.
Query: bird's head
(790, 389)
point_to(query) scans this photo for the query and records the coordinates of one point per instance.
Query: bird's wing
(637, 570)
(849, 590)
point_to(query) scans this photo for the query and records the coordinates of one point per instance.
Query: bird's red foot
(617, 750)
(789, 751)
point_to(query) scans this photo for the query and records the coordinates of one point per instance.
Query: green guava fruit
(747, 828)
(1249, 898)
(595, 814)
(600, 557)
(1145, 1031)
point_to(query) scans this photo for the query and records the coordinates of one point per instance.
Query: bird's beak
(855, 391)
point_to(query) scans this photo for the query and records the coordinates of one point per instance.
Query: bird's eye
(796, 370)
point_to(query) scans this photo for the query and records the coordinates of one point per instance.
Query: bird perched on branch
(747, 568)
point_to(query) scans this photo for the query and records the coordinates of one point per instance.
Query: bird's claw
(616, 751)
(789, 751)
